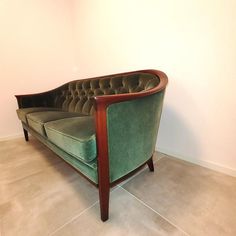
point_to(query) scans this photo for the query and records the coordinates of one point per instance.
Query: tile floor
(42, 195)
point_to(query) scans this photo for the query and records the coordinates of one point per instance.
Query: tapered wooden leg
(150, 164)
(104, 192)
(102, 159)
(103, 186)
(26, 135)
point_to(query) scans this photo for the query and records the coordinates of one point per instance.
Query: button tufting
(77, 96)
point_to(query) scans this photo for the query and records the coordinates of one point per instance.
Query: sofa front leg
(104, 193)
(150, 164)
(102, 158)
(26, 135)
(103, 186)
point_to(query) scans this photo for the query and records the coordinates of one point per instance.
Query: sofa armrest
(112, 117)
(35, 100)
(106, 100)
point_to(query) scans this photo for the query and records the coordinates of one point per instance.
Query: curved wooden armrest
(36, 99)
(101, 104)
(106, 100)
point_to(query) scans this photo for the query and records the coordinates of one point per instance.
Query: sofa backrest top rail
(78, 95)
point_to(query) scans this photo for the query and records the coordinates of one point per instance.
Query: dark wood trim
(150, 164)
(104, 184)
(80, 173)
(26, 135)
(32, 132)
(102, 160)
(114, 98)
(161, 75)
(100, 104)
(114, 183)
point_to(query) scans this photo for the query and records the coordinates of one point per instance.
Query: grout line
(227, 170)
(138, 173)
(132, 177)
(159, 158)
(73, 218)
(77, 216)
(156, 212)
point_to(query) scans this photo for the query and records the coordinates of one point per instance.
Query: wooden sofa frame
(101, 104)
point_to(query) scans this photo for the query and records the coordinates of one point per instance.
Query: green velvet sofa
(105, 127)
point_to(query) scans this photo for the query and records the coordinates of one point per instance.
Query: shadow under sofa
(105, 127)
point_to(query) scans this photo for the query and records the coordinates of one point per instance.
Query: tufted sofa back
(77, 96)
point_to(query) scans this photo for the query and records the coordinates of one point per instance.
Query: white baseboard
(207, 164)
(10, 137)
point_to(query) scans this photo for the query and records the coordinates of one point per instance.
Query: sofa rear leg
(150, 164)
(26, 134)
(104, 192)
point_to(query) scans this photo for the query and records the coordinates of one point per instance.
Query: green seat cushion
(22, 112)
(37, 120)
(87, 169)
(75, 136)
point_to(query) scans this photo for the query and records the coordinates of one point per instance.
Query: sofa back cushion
(77, 96)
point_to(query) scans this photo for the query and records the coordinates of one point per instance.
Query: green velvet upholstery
(24, 111)
(132, 131)
(105, 127)
(77, 96)
(37, 120)
(75, 136)
(87, 169)
(132, 126)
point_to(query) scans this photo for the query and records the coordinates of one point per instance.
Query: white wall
(194, 43)
(36, 52)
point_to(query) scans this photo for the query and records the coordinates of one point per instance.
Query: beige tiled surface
(39, 194)
(42, 195)
(198, 200)
(127, 217)
(156, 158)
(19, 159)
(49, 199)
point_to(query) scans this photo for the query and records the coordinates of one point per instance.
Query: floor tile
(156, 157)
(19, 159)
(198, 200)
(127, 217)
(39, 194)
